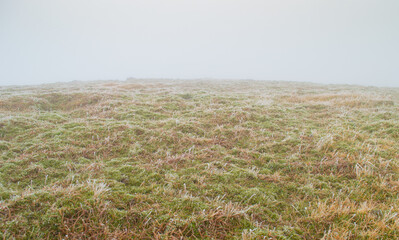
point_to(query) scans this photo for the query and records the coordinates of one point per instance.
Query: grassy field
(199, 160)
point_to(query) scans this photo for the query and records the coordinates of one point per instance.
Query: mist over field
(350, 42)
(199, 119)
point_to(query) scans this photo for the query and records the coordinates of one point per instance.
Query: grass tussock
(163, 159)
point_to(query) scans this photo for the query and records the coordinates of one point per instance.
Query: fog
(325, 41)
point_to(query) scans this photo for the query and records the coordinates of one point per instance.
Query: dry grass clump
(49, 102)
(342, 100)
(203, 159)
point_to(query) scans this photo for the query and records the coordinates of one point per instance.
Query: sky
(324, 41)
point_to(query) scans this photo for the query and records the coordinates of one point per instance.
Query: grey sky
(326, 41)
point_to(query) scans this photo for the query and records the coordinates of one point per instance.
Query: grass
(199, 160)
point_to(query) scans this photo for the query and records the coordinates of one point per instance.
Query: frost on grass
(160, 159)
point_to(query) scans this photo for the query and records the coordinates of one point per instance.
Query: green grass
(199, 160)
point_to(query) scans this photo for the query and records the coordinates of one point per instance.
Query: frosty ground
(206, 159)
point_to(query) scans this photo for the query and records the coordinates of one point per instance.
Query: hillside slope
(198, 159)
